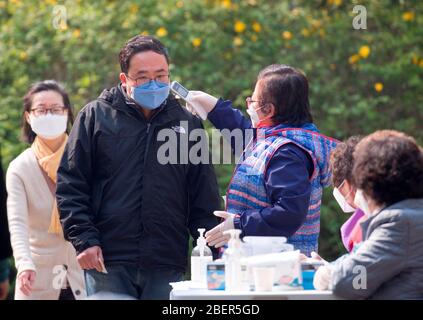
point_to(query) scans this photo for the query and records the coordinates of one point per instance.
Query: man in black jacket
(118, 200)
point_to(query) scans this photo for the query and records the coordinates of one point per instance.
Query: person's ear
(349, 188)
(27, 117)
(123, 79)
(350, 191)
(269, 110)
(272, 110)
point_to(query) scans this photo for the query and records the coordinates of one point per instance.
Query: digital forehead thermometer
(184, 93)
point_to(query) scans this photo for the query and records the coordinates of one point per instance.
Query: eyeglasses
(57, 111)
(249, 101)
(143, 79)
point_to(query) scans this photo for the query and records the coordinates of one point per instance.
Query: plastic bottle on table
(200, 256)
(236, 273)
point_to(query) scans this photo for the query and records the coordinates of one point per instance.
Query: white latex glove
(322, 278)
(315, 257)
(202, 99)
(215, 236)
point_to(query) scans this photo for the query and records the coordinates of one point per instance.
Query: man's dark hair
(138, 44)
(47, 85)
(342, 160)
(287, 89)
(388, 167)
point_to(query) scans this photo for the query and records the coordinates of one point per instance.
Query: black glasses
(143, 79)
(57, 111)
(250, 101)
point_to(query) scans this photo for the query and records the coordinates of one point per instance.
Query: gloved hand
(215, 236)
(202, 99)
(322, 278)
(315, 257)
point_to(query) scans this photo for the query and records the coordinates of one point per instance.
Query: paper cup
(263, 278)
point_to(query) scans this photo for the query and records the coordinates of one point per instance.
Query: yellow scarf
(49, 162)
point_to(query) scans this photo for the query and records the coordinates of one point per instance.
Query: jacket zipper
(149, 136)
(148, 143)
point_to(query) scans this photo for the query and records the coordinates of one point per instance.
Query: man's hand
(91, 258)
(4, 289)
(202, 99)
(215, 236)
(26, 281)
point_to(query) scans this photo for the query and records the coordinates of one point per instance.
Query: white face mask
(361, 202)
(254, 116)
(345, 206)
(49, 126)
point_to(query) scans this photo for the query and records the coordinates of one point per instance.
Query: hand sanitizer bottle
(236, 274)
(200, 256)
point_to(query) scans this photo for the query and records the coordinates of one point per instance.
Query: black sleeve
(203, 196)
(74, 185)
(5, 247)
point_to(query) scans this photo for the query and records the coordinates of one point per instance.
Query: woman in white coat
(46, 262)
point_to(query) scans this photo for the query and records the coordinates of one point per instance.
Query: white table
(204, 294)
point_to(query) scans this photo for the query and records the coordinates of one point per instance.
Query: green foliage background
(360, 80)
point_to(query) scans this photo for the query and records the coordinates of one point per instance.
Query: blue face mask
(150, 95)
